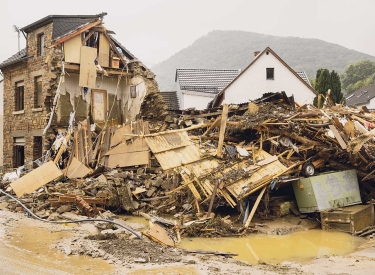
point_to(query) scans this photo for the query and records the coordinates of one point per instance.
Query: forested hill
(235, 50)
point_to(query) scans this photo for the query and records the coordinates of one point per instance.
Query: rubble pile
(194, 162)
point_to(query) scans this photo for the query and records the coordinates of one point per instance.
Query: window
(38, 96)
(270, 72)
(37, 150)
(19, 97)
(18, 151)
(133, 91)
(40, 44)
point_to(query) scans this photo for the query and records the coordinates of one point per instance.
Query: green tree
(328, 81)
(357, 75)
(336, 94)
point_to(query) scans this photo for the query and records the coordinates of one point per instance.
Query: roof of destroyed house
(268, 49)
(70, 21)
(361, 96)
(303, 75)
(205, 80)
(14, 58)
(171, 99)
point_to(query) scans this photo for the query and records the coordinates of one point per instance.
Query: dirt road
(32, 247)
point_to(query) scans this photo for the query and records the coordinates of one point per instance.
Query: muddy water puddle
(28, 251)
(299, 246)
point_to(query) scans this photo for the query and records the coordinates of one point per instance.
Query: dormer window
(40, 42)
(270, 73)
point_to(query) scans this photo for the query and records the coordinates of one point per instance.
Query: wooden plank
(87, 72)
(79, 31)
(36, 178)
(121, 135)
(77, 170)
(128, 159)
(255, 207)
(212, 199)
(337, 136)
(159, 234)
(95, 150)
(89, 143)
(180, 156)
(138, 145)
(114, 48)
(168, 142)
(223, 126)
(81, 144)
(212, 126)
(72, 50)
(103, 55)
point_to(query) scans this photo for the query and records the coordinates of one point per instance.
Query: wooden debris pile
(217, 157)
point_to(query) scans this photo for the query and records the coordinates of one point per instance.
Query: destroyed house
(197, 87)
(71, 70)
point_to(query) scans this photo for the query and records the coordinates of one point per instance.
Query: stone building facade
(43, 85)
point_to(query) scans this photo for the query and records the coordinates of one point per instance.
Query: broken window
(133, 91)
(37, 150)
(18, 151)
(270, 73)
(40, 44)
(38, 98)
(19, 97)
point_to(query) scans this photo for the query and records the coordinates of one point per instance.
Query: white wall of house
(252, 83)
(197, 100)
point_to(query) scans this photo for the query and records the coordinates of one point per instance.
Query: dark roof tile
(361, 96)
(204, 80)
(14, 58)
(63, 26)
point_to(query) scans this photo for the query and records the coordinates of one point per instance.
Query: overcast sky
(153, 30)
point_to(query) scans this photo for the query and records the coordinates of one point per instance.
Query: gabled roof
(14, 58)
(361, 96)
(63, 26)
(218, 98)
(204, 80)
(69, 19)
(171, 99)
(303, 75)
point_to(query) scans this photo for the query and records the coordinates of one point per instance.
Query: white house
(364, 96)
(267, 73)
(197, 87)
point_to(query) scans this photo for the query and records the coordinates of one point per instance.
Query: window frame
(270, 71)
(38, 94)
(19, 96)
(40, 44)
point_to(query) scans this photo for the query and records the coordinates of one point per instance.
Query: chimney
(256, 53)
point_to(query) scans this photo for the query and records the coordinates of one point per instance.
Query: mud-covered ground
(33, 246)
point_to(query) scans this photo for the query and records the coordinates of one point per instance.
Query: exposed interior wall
(252, 83)
(125, 107)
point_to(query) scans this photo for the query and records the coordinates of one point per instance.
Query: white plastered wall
(252, 83)
(196, 100)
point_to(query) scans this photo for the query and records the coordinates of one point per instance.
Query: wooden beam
(212, 199)
(114, 48)
(79, 31)
(213, 125)
(223, 126)
(255, 207)
(87, 37)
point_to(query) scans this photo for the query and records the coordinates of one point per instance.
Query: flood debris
(190, 164)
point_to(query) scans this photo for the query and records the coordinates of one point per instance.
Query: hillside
(235, 50)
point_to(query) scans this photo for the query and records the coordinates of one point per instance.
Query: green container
(327, 191)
